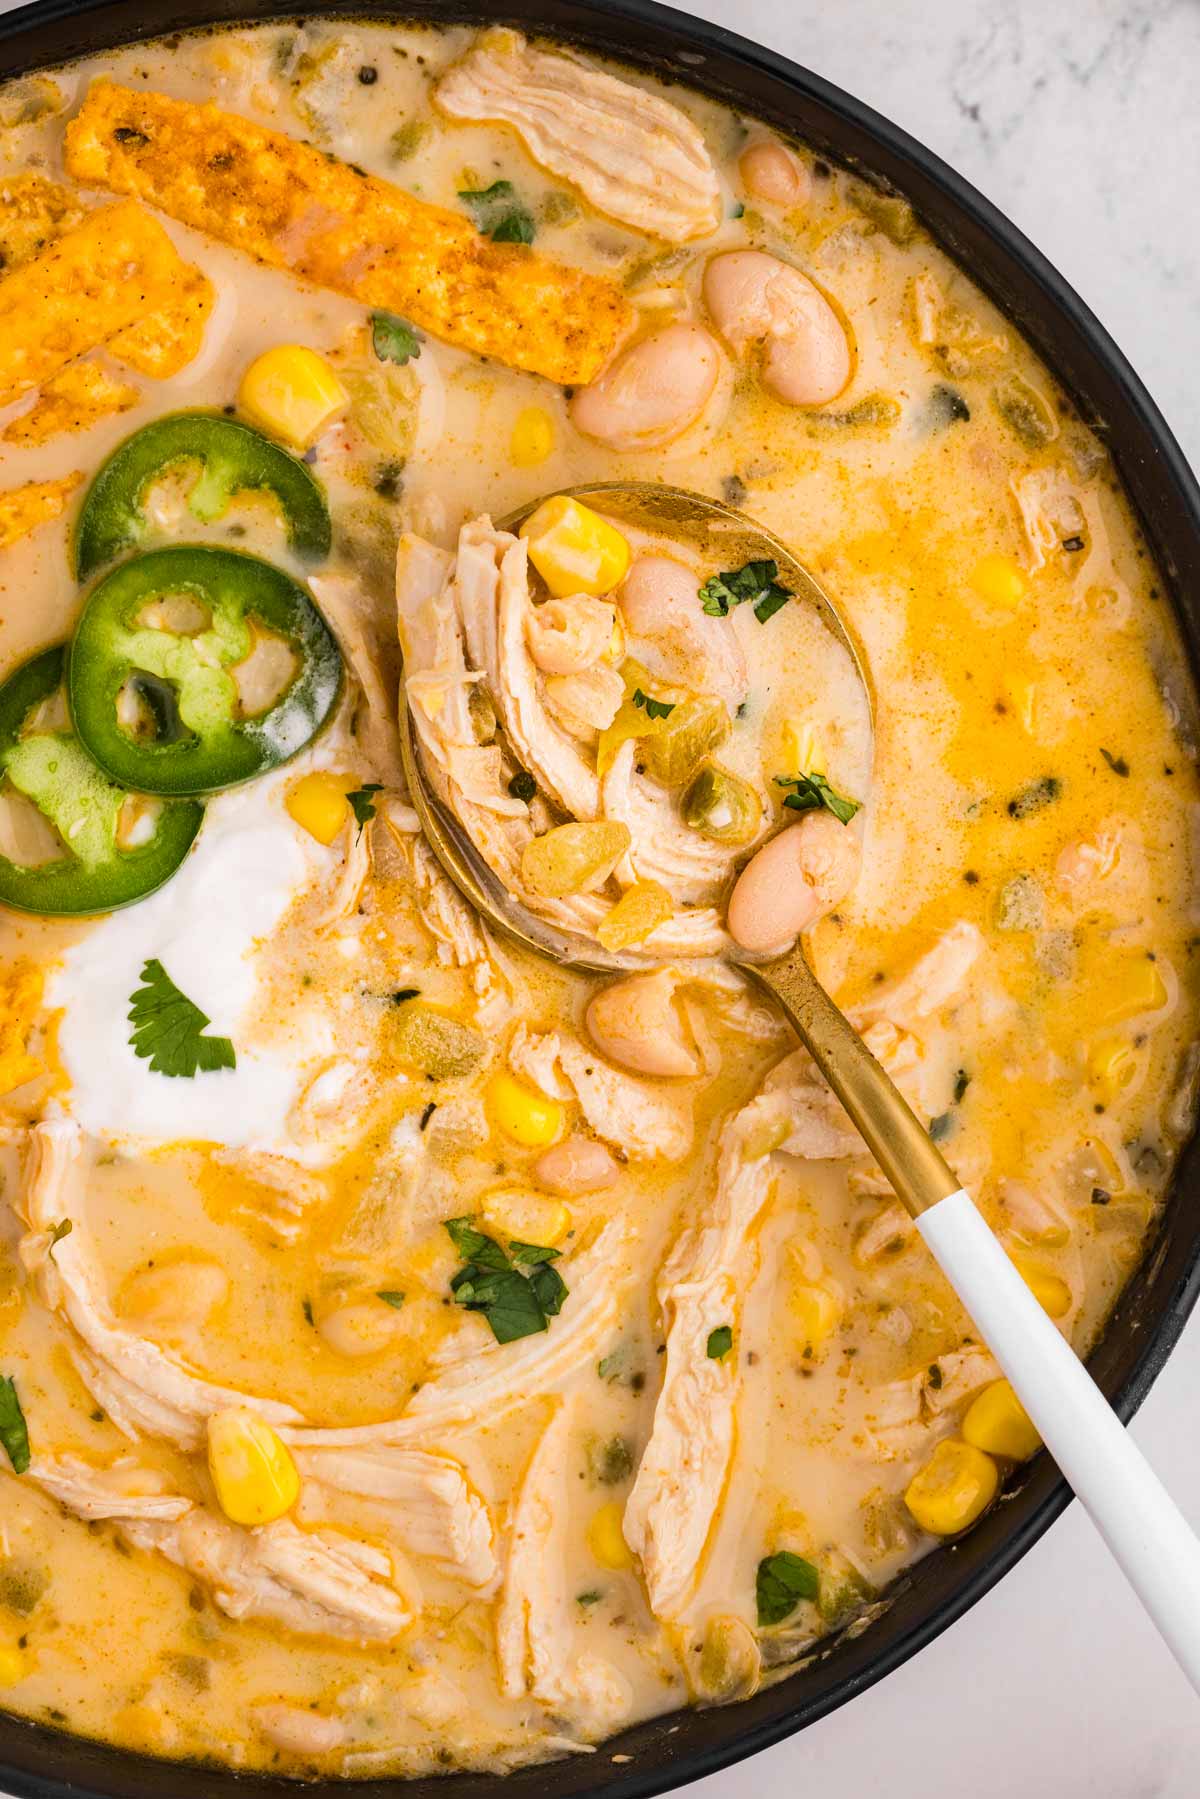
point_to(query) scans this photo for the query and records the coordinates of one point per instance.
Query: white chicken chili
(414, 1357)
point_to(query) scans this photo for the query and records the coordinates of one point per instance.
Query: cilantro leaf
(58, 1231)
(720, 1342)
(652, 708)
(783, 1580)
(811, 792)
(393, 339)
(473, 1246)
(499, 214)
(13, 1431)
(756, 582)
(391, 1298)
(515, 1303)
(167, 1029)
(362, 802)
(530, 1254)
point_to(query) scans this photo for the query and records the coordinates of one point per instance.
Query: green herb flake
(522, 786)
(499, 214)
(593, 1596)
(393, 339)
(405, 993)
(962, 1081)
(14, 1433)
(934, 1377)
(1035, 797)
(1101, 1196)
(941, 1126)
(755, 582)
(720, 1342)
(362, 803)
(652, 708)
(58, 1231)
(1118, 764)
(783, 1580)
(812, 791)
(167, 1029)
(609, 1460)
(306, 1307)
(515, 1304)
(390, 1297)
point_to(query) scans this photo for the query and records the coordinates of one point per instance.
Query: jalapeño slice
(53, 770)
(152, 688)
(232, 458)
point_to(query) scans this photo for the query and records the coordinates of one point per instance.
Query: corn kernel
(1134, 986)
(573, 549)
(293, 393)
(528, 1117)
(523, 1217)
(252, 1470)
(802, 752)
(998, 1423)
(15, 1664)
(640, 910)
(1111, 1066)
(605, 1538)
(819, 1311)
(1000, 580)
(953, 1489)
(1049, 1289)
(318, 803)
(532, 437)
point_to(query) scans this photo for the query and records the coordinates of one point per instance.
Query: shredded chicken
(684, 1467)
(432, 1509)
(122, 1490)
(138, 1385)
(534, 1636)
(690, 866)
(647, 1122)
(357, 624)
(631, 153)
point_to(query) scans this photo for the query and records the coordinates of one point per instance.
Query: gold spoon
(1137, 1518)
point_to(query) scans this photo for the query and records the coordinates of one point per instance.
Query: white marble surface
(1079, 119)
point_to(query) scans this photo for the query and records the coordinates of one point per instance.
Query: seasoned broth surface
(415, 1357)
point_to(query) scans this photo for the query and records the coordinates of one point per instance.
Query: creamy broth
(315, 1513)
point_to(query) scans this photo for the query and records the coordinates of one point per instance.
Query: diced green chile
(205, 745)
(233, 458)
(52, 769)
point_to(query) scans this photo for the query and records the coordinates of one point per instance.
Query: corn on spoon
(1144, 1529)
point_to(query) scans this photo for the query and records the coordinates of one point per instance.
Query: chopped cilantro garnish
(393, 339)
(1118, 764)
(58, 1231)
(962, 1081)
(1032, 798)
(783, 1580)
(14, 1433)
(652, 708)
(499, 214)
(811, 792)
(390, 1297)
(167, 1029)
(517, 1297)
(362, 802)
(720, 1342)
(756, 582)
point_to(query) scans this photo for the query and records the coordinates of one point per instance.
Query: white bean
(793, 880)
(577, 1165)
(653, 391)
(175, 1293)
(359, 1327)
(567, 636)
(771, 173)
(659, 603)
(755, 299)
(299, 1731)
(635, 1023)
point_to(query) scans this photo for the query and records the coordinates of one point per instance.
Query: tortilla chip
(295, 208)
(33, 211)
(75, 399)
(109, 271)
(167, 340)
(23, 509)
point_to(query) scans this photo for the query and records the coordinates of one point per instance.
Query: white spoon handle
(1127, 1502)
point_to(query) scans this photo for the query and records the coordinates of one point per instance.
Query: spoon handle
(1145, 1530)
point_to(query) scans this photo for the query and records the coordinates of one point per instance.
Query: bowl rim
(590, 25)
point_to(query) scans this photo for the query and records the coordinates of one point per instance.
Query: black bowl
(35, 1760)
